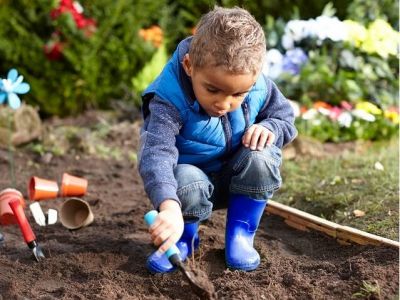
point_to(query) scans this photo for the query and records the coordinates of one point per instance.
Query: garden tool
(173, 255)
(26, 229)
(188, 242)
(243, 218)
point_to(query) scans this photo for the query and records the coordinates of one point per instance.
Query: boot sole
(243, 267)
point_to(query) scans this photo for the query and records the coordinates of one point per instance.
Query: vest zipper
(228, 133)
(246, 115)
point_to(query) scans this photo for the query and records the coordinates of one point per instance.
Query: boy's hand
(168, 226)
(257, 137)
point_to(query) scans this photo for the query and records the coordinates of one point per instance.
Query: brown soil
(106, 260)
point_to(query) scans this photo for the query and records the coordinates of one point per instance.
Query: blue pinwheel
(10, 87)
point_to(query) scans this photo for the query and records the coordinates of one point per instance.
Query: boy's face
(218, 91)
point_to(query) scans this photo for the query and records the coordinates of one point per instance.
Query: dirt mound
(107, 259)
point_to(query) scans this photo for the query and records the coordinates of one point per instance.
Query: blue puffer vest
(204, 141)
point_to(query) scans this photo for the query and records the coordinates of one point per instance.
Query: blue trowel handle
(149, 218)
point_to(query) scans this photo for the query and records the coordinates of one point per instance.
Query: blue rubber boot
(160, 264)
(243, 218)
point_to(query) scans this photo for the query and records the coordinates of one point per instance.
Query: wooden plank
(315, 226)
(283, 209)
(296, 225)
(365, 238)
(278, 212)
(300, 220)
(344, 234)
(318, 227)
(342, 242)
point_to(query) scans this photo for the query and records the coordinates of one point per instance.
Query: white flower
(274, 56)
(345, 119)
(311, 28)
(296, 108)
(324, 111)
(78, 7)
(378, 166)
(316, 122)
(272, 66)
(321, 28)
(330, 27)
(363, 115)
(294, 32)
(296, 28)
(310, 114)
(287, 42)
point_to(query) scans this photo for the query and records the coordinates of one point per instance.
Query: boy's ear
(187, 65)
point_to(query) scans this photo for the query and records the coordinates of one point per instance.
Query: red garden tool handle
(19, 214)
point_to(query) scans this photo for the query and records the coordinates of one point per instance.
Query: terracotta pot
(6, 214)
(42, 189)
(73, 186)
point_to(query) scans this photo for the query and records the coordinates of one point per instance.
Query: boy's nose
(226, 105)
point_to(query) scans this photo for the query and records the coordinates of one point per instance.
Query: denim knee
(256, 173)
(194, 191)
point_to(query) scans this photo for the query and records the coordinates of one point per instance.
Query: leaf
(150, 70)
(328, 10)
(337, 179)
(358, 213)
(357, 181)
(378, 166)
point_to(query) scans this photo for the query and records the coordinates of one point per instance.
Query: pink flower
(335, 112)
(346, 105)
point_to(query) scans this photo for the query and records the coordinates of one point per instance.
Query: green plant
(367, 11)
(369, 291)
(325, 130)
(93, 69)
(149, 71)
(340, 74)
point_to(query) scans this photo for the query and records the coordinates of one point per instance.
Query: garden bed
(107, 259)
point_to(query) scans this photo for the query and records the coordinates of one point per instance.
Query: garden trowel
(26, 229)
(173, 255)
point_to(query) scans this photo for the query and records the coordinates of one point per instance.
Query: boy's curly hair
(231, 38)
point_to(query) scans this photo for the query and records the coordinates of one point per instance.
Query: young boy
(213, 130)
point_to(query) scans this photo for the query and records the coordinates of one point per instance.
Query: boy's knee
(258, 171)
(264, 161)
(194, 191)
(186, 174)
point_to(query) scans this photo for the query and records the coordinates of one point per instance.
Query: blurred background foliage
(93, 69)
(92, 65)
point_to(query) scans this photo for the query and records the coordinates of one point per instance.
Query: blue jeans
(251, 173)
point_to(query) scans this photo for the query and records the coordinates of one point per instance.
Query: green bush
(101, 67)
(340, 74)
(93, 69)
(326, 130)
(367, 11)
